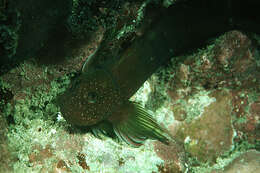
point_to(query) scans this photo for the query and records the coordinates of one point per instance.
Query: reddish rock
(36, 158)
(246, 121)
(82, 161)
(232, 45)
(179, 112)
(228, 63)
(228, 69)
(255, 108)
(173, 156)
(239, 103)
(5, 156)
(61, 167)
(210, 135)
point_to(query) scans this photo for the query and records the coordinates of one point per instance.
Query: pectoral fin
(133, 124)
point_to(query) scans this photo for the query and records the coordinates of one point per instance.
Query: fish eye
(92, 97)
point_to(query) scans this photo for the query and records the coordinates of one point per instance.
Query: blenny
(99, 96)
(96, 99)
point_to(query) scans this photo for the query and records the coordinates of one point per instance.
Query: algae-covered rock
(248, 162)
(214, 102)
(5, 156)
(211, 134)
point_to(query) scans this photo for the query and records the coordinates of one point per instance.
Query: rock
(248, 162)
(5, 156)
(214, 97)
(210, 135)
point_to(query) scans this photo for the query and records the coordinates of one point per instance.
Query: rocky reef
(208, 98)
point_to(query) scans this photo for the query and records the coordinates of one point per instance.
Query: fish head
(92, 97)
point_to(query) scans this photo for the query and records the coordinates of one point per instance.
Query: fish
(96, 100)
(99, 97)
